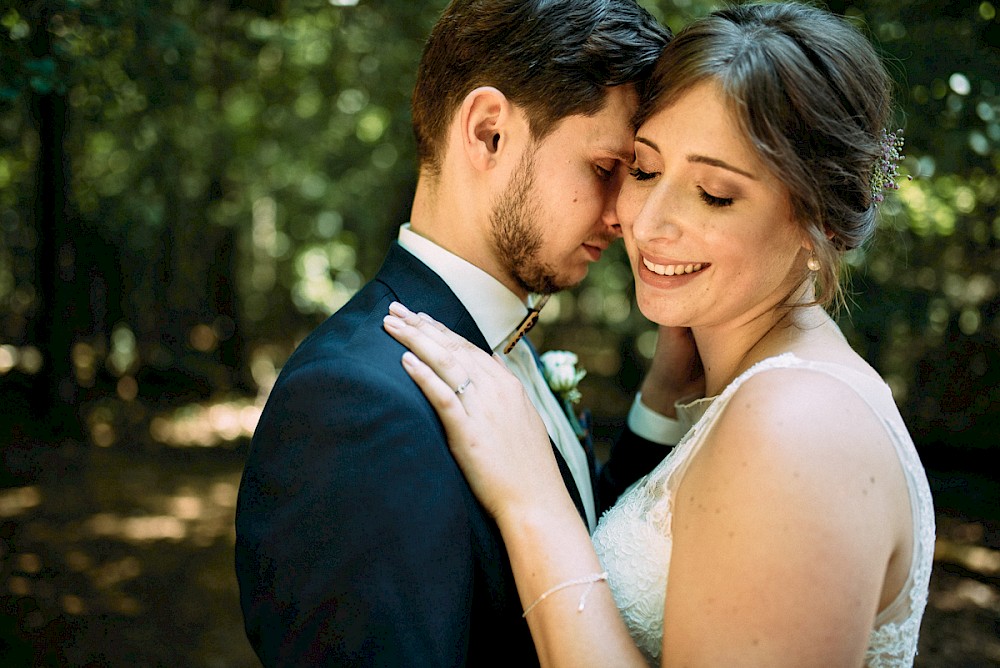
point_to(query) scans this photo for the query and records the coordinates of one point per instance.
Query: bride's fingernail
(398, 309)
(392, 322)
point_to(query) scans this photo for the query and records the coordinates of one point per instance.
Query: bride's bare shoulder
(806, 424)
(791, 485)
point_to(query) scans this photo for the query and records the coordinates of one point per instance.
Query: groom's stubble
(515, 230)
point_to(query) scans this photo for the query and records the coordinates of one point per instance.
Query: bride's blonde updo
(812, 96)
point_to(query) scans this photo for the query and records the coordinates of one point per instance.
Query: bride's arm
(577, 624)
(501, 445)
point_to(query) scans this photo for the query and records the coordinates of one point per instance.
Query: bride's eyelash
(640, 175)
(706, 197)
(712, 200)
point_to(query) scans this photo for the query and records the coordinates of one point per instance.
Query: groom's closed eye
(605, 173)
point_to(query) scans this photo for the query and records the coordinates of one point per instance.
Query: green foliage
(247, 165)
(928, 293)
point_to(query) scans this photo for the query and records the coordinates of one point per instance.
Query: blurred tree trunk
(53, 404)
(225, 303)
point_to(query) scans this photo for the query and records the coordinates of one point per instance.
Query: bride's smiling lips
(669, 272)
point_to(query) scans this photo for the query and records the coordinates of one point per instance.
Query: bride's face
(709, 230)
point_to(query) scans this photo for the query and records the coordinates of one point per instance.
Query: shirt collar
(496, 310)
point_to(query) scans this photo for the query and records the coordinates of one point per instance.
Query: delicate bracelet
(587, 580)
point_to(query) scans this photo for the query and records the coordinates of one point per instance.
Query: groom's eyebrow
(619, 154)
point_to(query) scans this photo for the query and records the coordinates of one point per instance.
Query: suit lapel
(418, 288)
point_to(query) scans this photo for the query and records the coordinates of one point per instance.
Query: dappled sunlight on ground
(962, 623)
(206, 425)
(127, 563)
(222, 422)
(128, 559)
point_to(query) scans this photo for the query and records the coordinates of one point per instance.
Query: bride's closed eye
(713, 201)
(640, 175)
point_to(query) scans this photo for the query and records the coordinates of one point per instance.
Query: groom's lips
(594, 251)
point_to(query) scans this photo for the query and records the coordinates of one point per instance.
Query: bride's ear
(809, 242)
(485, 119)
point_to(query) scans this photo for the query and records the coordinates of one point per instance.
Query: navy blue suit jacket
(359, 542)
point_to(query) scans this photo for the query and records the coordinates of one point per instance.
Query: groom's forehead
(608, 132)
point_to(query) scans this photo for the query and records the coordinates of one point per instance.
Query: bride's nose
(658, 218)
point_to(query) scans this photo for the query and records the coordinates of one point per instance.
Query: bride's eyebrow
(715, 162)
(648, 142)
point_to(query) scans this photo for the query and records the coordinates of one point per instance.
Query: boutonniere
(563, 376)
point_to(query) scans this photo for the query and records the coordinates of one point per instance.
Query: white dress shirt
(497, 312)
(656, 427)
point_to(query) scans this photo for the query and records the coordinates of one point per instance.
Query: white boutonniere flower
(563, 376)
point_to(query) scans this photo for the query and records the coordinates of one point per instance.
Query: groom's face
(557, 214)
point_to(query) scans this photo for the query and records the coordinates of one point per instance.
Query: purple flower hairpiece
(886, 169)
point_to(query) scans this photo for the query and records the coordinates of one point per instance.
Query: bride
(793, 522)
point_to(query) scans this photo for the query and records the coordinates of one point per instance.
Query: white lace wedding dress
(633, 539)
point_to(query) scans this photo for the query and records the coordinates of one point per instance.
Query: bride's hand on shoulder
(493, 430)
(676, 372)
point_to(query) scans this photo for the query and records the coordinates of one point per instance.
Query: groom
(358, 540)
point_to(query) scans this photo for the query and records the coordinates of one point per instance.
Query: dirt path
(127, 562)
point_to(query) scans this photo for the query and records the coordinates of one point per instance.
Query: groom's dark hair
(552, 58)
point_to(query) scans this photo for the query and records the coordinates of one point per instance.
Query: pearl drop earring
(812, 263)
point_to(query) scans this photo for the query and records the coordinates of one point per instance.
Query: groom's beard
(517, 239)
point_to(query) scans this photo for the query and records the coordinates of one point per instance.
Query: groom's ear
(486, 120)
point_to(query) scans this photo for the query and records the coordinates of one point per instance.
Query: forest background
(188, 187)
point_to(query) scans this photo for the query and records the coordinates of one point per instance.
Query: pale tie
(521, 362)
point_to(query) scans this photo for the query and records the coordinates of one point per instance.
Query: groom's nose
(609, 216)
